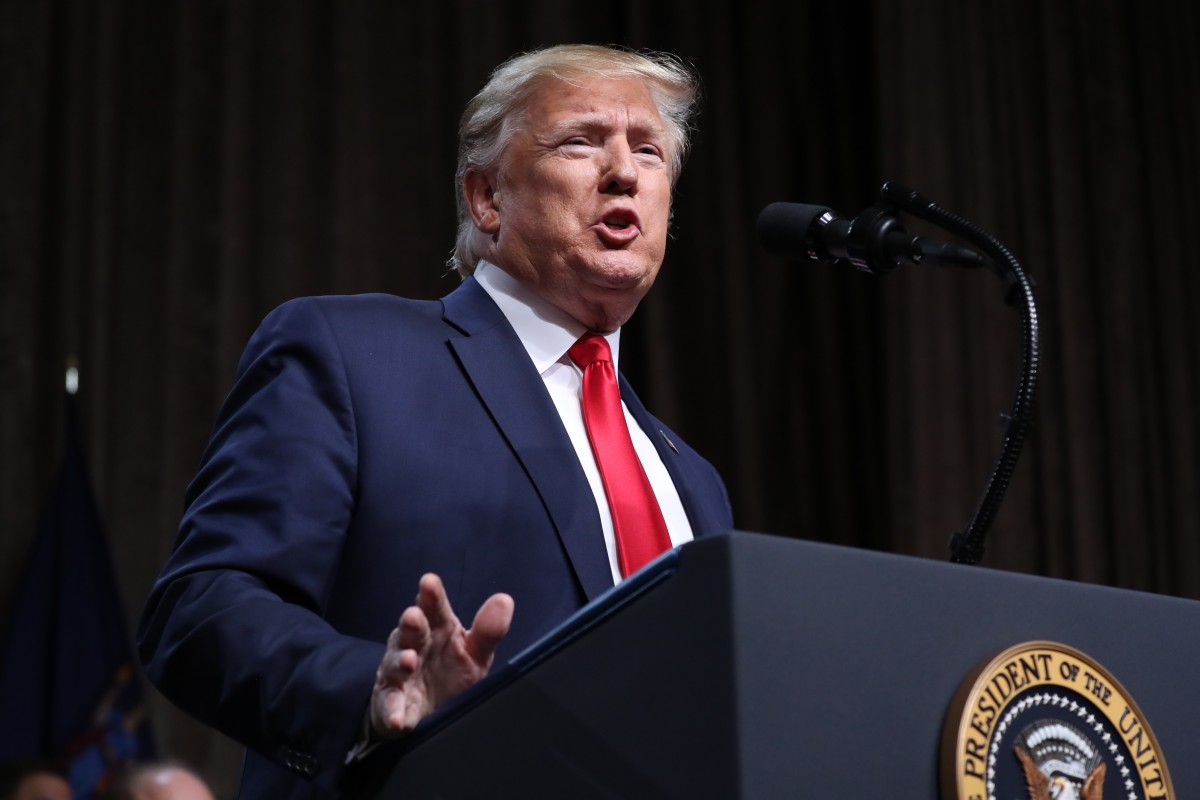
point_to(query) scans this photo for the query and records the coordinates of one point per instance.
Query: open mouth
(618, 227)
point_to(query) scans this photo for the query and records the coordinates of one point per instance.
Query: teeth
(618, 224)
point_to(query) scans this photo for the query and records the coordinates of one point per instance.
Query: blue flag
(69, 687)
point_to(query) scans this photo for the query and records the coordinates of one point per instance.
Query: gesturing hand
(430, 657)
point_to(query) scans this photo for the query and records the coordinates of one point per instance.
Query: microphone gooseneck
(875, 241)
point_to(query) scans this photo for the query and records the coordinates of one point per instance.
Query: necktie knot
(590, 348)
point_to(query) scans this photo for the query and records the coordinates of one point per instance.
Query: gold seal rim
(954, 730)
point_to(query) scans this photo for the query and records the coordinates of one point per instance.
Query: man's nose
(621, 174)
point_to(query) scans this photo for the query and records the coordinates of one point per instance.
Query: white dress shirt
(547, 333)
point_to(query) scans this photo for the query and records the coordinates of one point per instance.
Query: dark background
(170, 171)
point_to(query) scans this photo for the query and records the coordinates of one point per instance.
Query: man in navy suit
(372, 445)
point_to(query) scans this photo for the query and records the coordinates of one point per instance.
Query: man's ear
(480, 192)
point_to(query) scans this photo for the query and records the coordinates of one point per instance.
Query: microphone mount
(876, 241)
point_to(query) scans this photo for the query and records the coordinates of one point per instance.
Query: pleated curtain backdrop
(169, 172)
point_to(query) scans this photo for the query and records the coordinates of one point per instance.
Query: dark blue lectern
(748, 666)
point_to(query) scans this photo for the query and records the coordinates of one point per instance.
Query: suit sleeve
(233, 631)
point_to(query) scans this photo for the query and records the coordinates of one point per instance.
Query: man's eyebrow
(592, 121)
(575, 122)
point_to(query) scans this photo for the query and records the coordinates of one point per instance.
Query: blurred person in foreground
(373, 445)
(161, 781)
(33, 780)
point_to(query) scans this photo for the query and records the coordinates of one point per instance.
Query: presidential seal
(1044, 721)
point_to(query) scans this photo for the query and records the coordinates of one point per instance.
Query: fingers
(401, 698)
(402, 657)
(413, 632)
(433, 600)
(433, 619)
(390, 704)
(431, 658)
(389, 709)
(491, 624)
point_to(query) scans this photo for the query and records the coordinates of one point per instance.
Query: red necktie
(638, 523)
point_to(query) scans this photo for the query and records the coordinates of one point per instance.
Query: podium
(750, 666)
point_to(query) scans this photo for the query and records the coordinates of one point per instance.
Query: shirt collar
(546, 331)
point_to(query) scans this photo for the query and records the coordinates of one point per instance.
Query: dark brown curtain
(171, 171)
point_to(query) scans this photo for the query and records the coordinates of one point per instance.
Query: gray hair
(495, 115)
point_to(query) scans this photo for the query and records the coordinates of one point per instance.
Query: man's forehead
(595, 101)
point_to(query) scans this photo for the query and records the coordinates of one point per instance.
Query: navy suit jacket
(368, 440)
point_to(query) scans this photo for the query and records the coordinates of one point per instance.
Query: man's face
(582, 199)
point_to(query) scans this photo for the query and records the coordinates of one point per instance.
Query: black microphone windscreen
(785, 229)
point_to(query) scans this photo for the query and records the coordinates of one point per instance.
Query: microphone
(875, 241)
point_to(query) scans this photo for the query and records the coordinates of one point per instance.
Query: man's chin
(620, 273)
(609, 299)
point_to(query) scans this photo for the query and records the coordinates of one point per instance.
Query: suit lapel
(693, 490)
(510, 388)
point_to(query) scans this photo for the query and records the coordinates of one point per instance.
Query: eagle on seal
(1060, 763)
